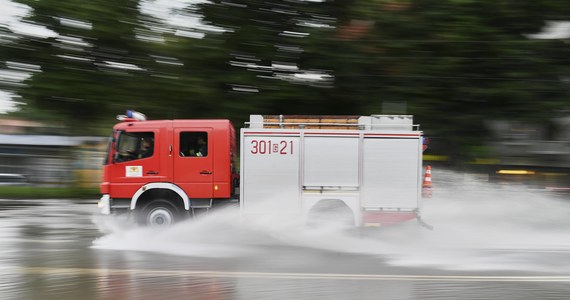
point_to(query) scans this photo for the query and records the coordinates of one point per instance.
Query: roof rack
(348, 122)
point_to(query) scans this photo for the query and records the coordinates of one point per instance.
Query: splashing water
(478, 226)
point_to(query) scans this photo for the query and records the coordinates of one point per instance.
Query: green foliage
(452, 63)
(456, 64)
(25, 192)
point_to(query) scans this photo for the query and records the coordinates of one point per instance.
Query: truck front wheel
(158, 213)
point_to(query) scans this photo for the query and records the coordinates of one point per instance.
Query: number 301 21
(271, 147)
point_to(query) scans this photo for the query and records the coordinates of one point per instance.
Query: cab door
(136, 162)
(193, 161)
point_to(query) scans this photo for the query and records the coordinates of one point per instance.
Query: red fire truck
(367, 170)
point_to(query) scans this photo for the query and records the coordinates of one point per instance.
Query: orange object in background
(427, 184)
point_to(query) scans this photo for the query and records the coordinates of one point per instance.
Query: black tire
(158, 213)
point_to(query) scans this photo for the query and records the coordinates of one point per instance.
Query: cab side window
(193, 144)
(135, 145)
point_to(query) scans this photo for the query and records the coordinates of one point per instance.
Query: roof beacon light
(132, 115)
(136, 115)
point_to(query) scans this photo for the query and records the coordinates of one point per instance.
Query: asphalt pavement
(488, 242)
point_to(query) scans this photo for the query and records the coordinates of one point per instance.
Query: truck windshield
(108, 152)
(134, 145)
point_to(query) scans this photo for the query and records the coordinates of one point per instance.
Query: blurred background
(488, 80)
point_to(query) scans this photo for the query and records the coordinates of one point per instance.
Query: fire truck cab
(164, 170)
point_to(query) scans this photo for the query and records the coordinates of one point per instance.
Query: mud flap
(423, 223)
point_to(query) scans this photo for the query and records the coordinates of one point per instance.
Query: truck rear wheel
(158, 213)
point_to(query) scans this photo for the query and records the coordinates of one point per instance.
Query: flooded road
(489, 242)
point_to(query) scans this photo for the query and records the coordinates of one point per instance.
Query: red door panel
(137, 163)
(193, 161)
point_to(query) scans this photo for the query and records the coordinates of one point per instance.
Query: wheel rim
(160, 216)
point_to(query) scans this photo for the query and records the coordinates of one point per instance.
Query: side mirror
(116, 140)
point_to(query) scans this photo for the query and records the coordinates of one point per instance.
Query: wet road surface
(516, 246)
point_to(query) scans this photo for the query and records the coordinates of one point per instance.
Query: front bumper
(105, 204)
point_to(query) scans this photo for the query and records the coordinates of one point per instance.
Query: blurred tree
(454, 63)
(87, 60)
(451, 63)
(103, 57)
(272, 55)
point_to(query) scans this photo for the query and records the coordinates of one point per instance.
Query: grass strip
(34, 192)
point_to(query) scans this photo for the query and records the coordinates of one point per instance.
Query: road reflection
(488, 243)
